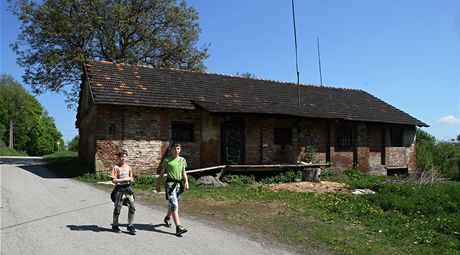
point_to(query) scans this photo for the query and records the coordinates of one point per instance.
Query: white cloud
(449, 119)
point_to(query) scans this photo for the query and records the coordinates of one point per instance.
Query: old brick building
(223, 119)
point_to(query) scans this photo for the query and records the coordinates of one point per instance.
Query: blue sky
(406, 53)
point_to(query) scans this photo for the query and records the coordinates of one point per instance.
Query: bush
(145, 180)
(96, 177)
(289, 176)
(326, 173)
(239, 179)
(442, 156)
(72, 145)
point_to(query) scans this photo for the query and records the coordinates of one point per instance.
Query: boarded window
(283, 136)
(396, 138)
(182, 132)
(344, 138)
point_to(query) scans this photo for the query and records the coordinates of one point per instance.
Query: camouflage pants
(124, 198)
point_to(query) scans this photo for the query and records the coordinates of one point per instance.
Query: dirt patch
(311, 187)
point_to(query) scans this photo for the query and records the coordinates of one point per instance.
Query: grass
(66, 164)
(399, 219)
(5, 151)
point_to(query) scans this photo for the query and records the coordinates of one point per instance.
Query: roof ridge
(227, 75)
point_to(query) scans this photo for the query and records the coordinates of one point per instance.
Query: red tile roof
(134, 85)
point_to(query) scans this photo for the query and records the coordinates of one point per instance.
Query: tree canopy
(34, 130)
(57, 36)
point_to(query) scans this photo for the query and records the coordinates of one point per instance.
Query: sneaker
(180, 230)
(131, 229)
(167, 222)
(116, 229)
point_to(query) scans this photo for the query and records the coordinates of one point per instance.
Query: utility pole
(10, 145)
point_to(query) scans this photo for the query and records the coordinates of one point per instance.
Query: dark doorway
(232, 142)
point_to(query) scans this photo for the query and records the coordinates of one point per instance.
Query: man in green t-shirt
(176, 181)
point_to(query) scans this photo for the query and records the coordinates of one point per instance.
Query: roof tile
(123, 84)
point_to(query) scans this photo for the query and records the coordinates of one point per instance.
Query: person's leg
(131, 211)
(174, 208)
(168, 215)
(116, 214)
(175, 216)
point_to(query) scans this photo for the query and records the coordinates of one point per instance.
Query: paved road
(43, 214)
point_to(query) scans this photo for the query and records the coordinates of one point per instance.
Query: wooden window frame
(344, 138)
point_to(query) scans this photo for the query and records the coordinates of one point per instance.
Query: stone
(209, 180)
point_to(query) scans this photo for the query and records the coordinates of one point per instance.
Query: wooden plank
(205, 169)
(280, 166)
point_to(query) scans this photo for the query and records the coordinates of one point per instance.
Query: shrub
(443, 156)
(239, 179)
(96, 177)
(289, 176)
(326, 173)
(145, 180)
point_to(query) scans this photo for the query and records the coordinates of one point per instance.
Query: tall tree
(57, 36)
(72, 145)
(34, 130)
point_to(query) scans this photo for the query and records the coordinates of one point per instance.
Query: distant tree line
(439, 155)
(34, 131)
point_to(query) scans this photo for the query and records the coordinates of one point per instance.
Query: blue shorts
(173, 193)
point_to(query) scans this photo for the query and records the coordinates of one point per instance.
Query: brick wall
(405, 155)
(376, 149)
(146, 134)
(340, 158)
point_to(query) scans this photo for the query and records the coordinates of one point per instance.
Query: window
(182, 132)
(344, 138)
(396, 138)
(283, 136)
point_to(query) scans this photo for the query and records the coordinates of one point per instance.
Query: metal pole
(296, 61)
(319, 63)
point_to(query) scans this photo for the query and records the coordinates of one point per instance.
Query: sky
(404, 52)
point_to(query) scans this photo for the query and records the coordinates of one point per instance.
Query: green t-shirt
(174, 166)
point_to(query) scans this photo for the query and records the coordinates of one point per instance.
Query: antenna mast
(319, 63)
(296, 62)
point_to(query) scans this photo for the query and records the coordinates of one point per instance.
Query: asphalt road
(43, 214)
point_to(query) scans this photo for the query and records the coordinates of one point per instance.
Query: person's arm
(130, 175)
(160, 178)
(184, 176)
(114, 174)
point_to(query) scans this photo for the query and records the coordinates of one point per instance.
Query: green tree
(2, 123)
(59, 35)
(245, 75)
(72, 145)
(439, 155)
(34, 130)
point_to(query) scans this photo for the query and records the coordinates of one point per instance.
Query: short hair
(122, 153)
(174, 145)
